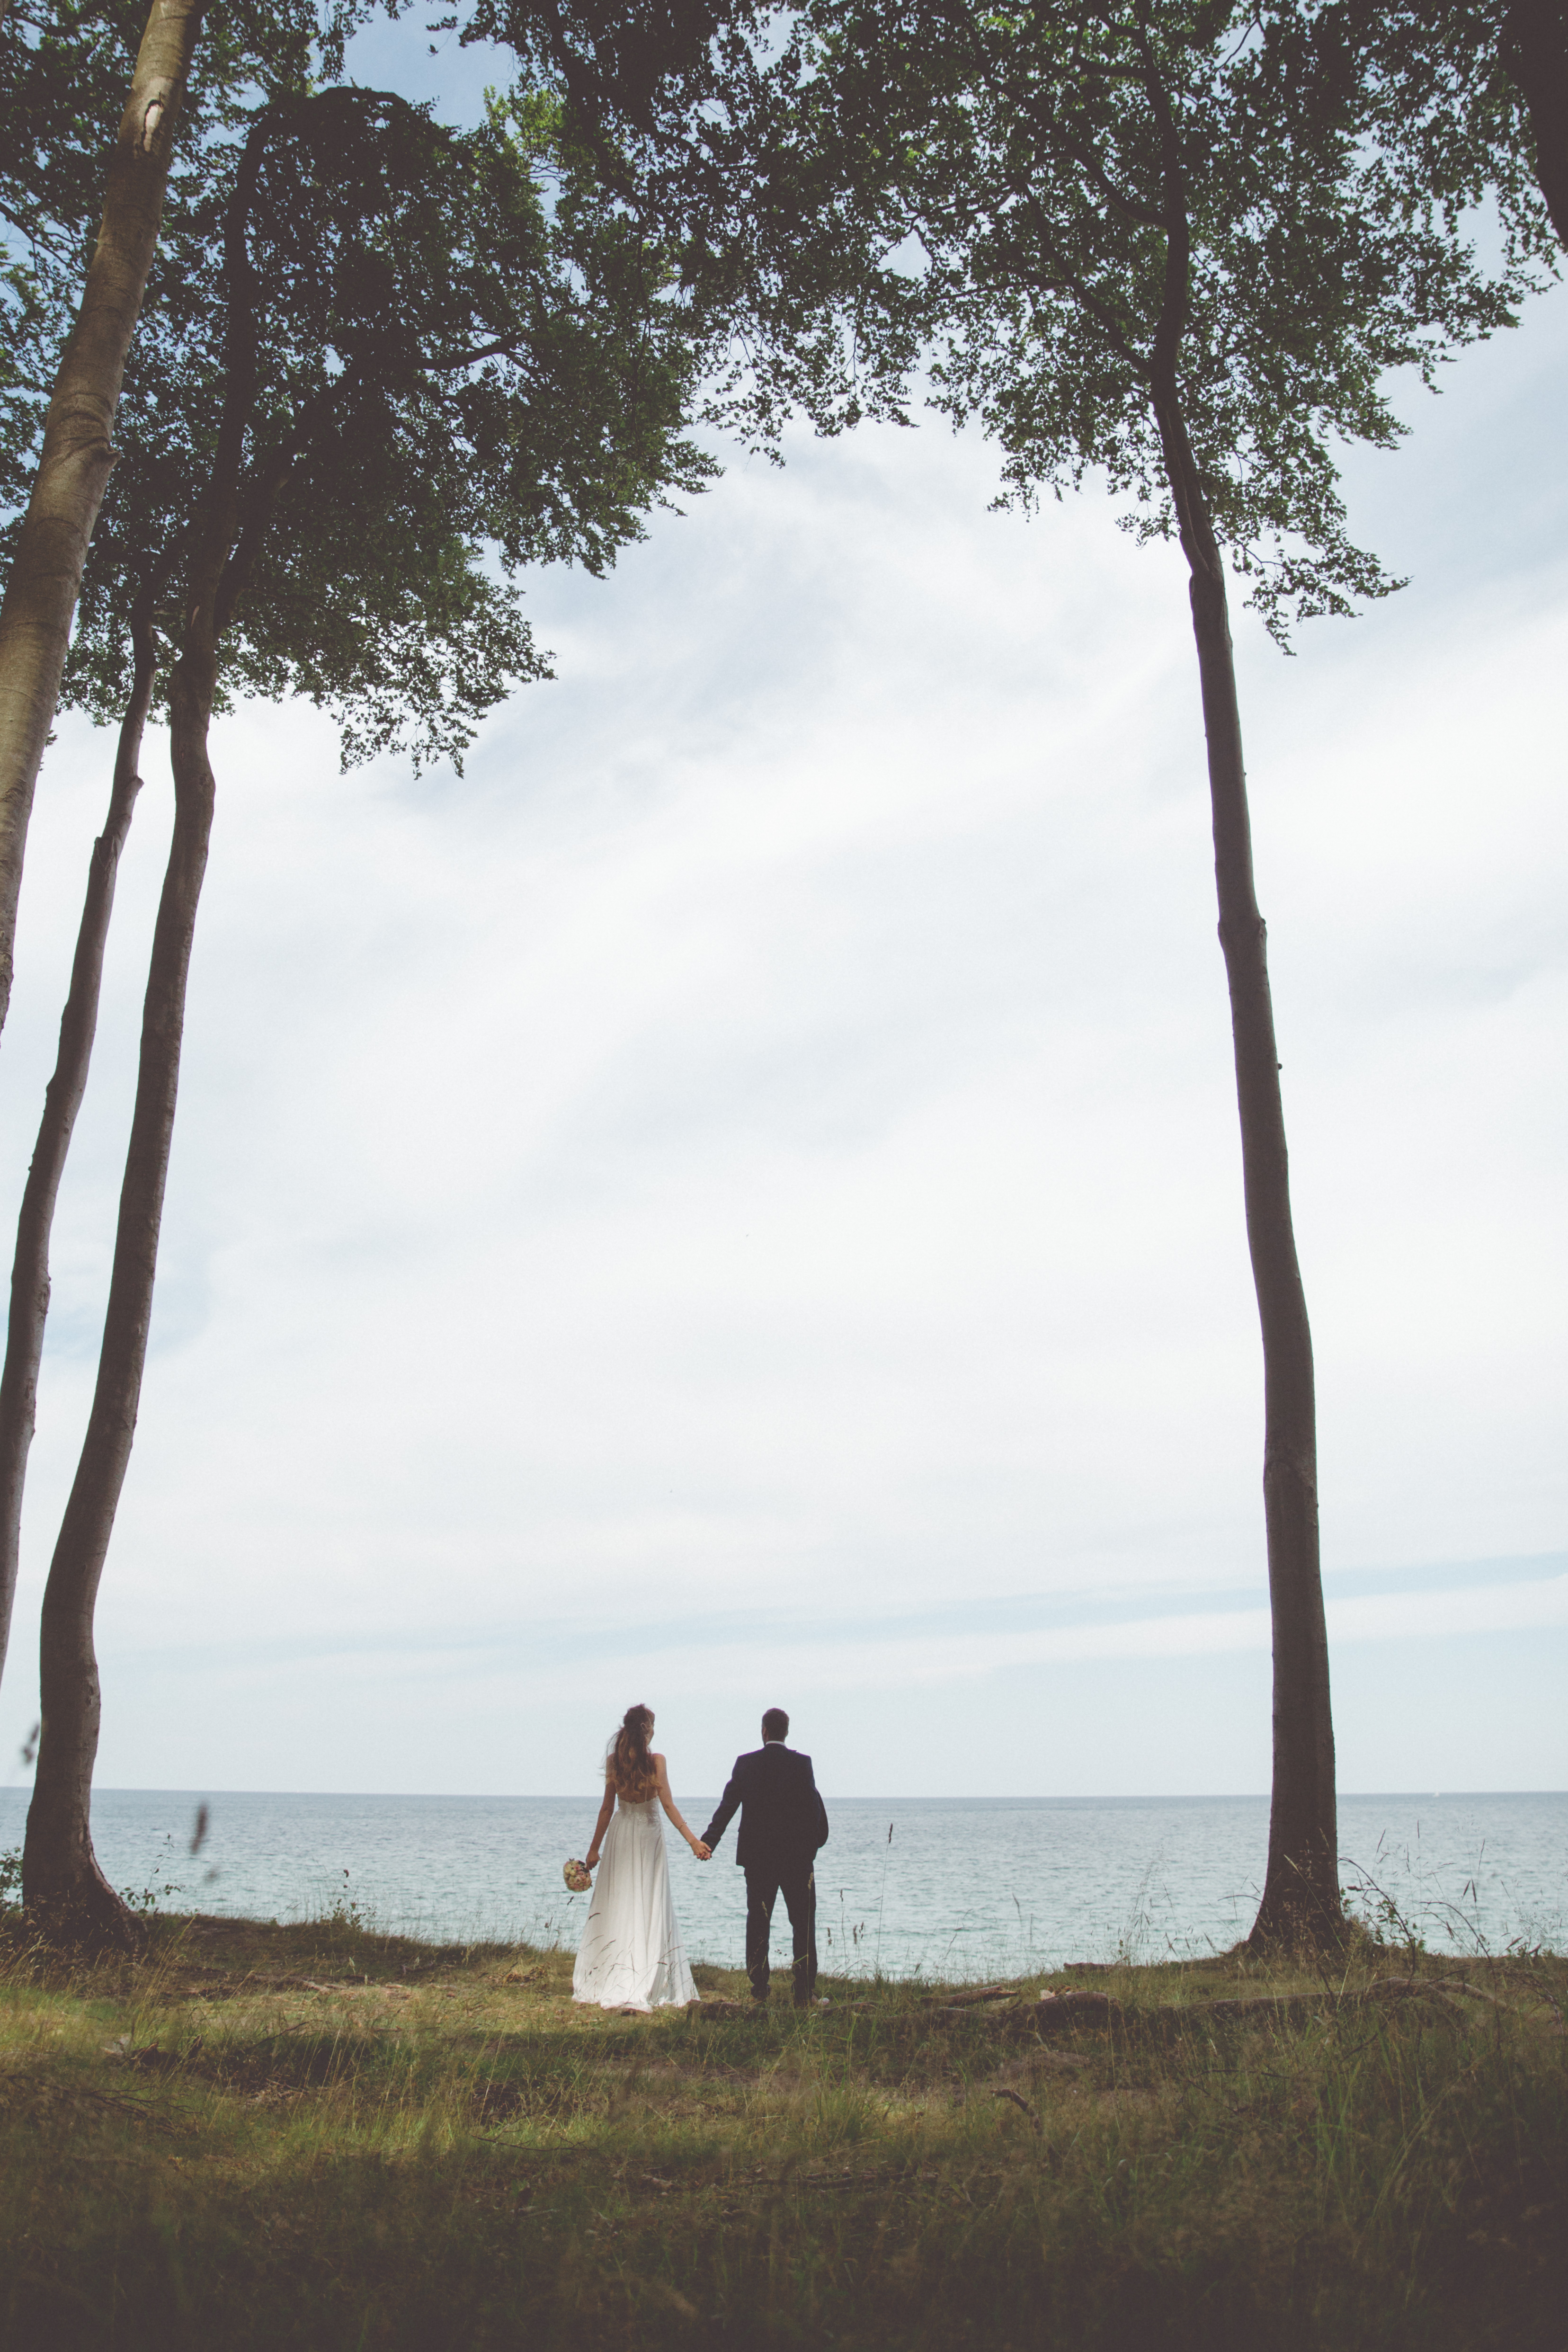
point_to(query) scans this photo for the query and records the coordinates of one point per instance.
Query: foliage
(1450, 91)
(780, 269)
(145, 1901)
(1095, 196)
(453, 378)
(311, 2137)
(66, 66)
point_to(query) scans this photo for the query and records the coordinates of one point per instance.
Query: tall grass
(317, 2137)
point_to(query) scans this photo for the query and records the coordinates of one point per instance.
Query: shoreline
(962, 1890)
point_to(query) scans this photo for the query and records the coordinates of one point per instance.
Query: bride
(631, 1955)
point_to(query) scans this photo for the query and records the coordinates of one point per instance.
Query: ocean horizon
(939, 1886)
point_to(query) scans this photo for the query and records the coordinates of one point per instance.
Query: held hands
(703, 1852)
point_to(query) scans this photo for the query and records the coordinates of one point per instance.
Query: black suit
(782, 1824)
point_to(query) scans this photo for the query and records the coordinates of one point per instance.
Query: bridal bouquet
(576, 1874)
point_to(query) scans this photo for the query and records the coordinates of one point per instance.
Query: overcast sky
(737, 1201)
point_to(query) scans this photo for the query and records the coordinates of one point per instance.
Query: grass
(320, 2137)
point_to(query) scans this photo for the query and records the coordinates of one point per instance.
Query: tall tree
(426, 372)
(65, 68)
(1151, 253)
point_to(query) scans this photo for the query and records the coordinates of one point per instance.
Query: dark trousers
(797, 1881)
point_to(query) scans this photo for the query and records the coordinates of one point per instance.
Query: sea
(940, 1887)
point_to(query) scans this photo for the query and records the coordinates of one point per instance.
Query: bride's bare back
(631, 1955)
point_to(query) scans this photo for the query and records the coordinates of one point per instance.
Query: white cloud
(898, 1660)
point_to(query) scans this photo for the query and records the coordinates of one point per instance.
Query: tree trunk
(73, 469)
(64, 1893)
(1537, 32)
(62, 1100)
(65, 1896)
(1300, 1893)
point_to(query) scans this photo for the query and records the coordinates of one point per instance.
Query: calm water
(962, 1887)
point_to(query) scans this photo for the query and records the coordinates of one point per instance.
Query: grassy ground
(316, 2136)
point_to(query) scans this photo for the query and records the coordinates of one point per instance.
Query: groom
(782, 1823)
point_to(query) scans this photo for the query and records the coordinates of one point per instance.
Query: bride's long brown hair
(630, 1765)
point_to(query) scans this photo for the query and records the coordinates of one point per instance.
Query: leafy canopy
(1122, 213)
(65, 68)
(1466, 102)
(779, 266)
(452, 361)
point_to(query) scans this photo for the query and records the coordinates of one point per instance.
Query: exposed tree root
(81, 1915)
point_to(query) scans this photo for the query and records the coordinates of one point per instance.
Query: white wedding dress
(631, 1955)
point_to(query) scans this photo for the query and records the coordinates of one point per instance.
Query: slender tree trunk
(65, 1896)
(1538, 35)
(51, 548)
(79, 1024)
(1300, 1893)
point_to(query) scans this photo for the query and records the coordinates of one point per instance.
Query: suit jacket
(782, 1818)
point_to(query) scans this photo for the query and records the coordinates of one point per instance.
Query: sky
(736, 1200)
